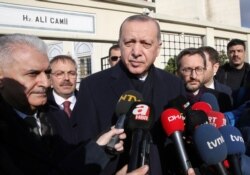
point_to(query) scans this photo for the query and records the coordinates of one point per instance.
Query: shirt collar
(23, 115)
(59, 100)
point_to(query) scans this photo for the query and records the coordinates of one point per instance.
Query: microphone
(173, 125)
(210, 99)
(180, 103)
(194, 118)
(140, 121)
(235, 147)
(211, 146)
(216, 119)
(204, 106)
(122, 107)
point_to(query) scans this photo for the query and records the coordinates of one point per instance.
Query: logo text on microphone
(174, 117)
(215, 143)
(129, 98)
(141, 112)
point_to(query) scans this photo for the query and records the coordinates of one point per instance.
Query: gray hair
(9, 42)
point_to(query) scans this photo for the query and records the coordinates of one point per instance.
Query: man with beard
(234, 72)
(191, 65)
(62, 95)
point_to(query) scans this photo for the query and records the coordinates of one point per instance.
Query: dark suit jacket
(222, 88)
(97, 99)
(223, 73)
(224, 100)
(64, 125)
(24, 153)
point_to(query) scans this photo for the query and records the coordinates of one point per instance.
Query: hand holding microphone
(122, 108)
(106, 137)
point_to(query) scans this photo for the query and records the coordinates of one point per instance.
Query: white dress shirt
(59, 100)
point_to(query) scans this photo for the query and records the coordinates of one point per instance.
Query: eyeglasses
(61, 74)
(189, 70)
(114, 58)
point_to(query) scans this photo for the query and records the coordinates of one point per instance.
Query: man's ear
(216, 67)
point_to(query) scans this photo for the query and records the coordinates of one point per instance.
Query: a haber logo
(141, 112)
(174, 117)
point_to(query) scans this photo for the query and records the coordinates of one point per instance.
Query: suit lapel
(120, 82)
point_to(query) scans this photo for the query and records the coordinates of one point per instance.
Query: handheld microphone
(235, 147)
(204, 106)
(173, 125)
(211, 146)
(216, 119)
(122, 107)
(180, 103)
(210, 99)
(140, 121)
(194, 118)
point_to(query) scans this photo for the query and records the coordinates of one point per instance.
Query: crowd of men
(49, 127)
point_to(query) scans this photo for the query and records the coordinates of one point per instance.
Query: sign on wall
(46, 19)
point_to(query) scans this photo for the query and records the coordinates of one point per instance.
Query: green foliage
(222, 57)
(171, 66)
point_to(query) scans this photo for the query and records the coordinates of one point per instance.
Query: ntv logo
(215, 143)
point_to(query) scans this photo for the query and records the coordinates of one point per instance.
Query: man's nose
(193, 73)
(137, 49)
(44, 79)
(66, 76)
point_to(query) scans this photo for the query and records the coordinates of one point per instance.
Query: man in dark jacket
(212, 66)
(234, 73)
(191, 67)
(140, 43)
(29, 144)
(63, 92)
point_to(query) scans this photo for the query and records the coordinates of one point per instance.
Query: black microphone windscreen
(193, 119)
(126, 100)
(140, 116)
(233, 138)
(210, 99)
(180, 103)
(210, 144)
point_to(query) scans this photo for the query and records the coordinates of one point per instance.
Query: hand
(139, 171)
(191, 171)
(105, 138)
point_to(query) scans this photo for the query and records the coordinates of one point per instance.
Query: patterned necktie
(66, 108)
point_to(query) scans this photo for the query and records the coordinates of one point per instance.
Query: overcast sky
(245, 13)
